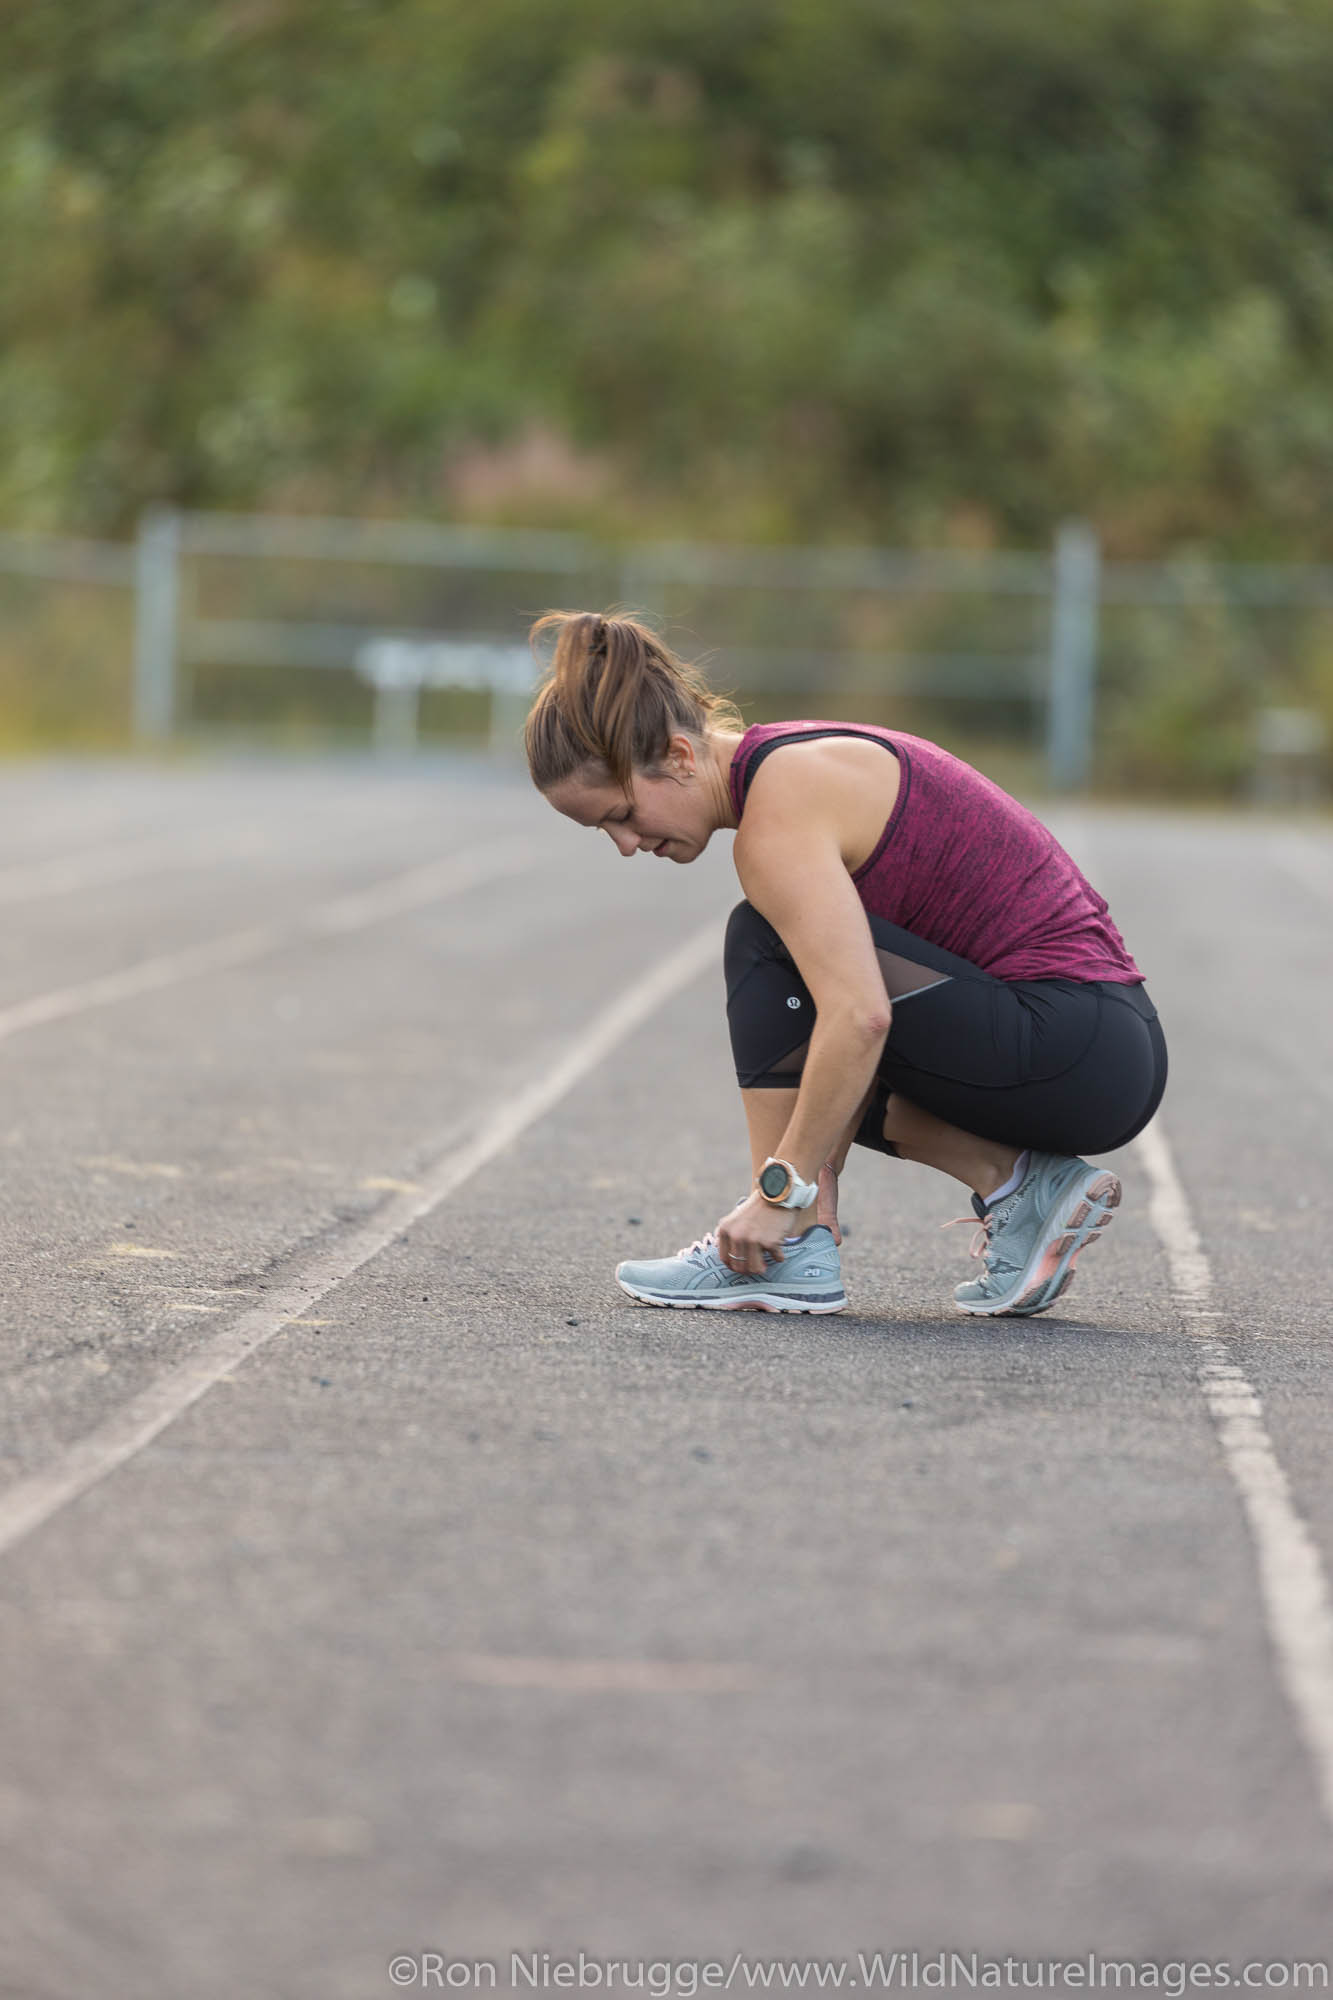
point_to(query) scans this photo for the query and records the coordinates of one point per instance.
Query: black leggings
(1064, 1065)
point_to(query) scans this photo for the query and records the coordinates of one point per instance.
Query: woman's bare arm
(789, 856)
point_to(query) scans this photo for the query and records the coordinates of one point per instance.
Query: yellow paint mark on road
(138, 1250)
(189, 1306)
(312, 1322)
(333, 1838)
(997, 1819)
(602, 1676)
(141, 1170)
(270, 1169)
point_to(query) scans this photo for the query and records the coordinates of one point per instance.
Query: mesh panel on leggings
(792, 1063)
(903, 977)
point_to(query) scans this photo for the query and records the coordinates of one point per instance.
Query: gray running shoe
(1031, 1239)
(808, 1280)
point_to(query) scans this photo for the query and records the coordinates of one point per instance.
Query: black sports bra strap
(758, 755)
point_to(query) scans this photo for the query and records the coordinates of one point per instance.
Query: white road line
(183, 846)
(1294, 1589)
(31, 1501)
(449, 876)
(94, 867)
(1291, 1577)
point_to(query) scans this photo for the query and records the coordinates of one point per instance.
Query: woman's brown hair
(614, 694)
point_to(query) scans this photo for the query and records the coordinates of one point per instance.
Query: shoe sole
(769, 1302)
(1051, 1276)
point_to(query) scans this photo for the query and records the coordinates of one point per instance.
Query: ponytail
(613, 694)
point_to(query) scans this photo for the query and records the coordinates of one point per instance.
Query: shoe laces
(980, 1243)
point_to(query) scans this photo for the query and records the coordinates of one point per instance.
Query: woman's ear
(681, 759)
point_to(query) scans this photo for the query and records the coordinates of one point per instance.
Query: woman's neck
(722, 745)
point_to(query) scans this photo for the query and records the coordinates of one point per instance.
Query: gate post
(1074, 605)
(156, 607)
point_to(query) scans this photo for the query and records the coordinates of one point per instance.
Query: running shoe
(808, 1280)
(1031, 1239)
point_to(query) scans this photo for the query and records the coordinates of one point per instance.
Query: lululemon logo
(793, 1001)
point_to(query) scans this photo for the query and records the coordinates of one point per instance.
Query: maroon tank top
(966, 867)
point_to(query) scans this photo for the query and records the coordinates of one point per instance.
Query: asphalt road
(377, 1581)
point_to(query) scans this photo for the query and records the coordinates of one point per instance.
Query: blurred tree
(868, 268)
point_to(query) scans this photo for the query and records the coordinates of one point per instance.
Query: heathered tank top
(966, 867)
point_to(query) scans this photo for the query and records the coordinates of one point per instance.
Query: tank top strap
(765, 736)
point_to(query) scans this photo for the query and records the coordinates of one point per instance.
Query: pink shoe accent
(1104, 1191)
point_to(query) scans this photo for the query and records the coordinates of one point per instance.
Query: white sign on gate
(401, 663)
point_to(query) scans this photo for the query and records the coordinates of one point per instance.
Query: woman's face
(669, 815)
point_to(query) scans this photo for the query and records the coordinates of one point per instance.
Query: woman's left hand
(752, 1228)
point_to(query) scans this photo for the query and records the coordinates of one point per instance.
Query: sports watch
(782, 1187)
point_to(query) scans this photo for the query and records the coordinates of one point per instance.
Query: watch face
(774, 1181)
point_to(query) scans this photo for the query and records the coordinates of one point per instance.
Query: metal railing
(474, 643)
(413, 607)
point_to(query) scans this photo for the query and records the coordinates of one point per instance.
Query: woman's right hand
(826, 1205)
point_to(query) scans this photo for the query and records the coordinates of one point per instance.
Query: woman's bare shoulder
(850, 782)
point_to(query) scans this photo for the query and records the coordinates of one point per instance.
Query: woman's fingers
(746, 1258)
(827, 1213)
(826, 1206)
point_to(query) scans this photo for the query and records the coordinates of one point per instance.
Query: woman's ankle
(996, 1173)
